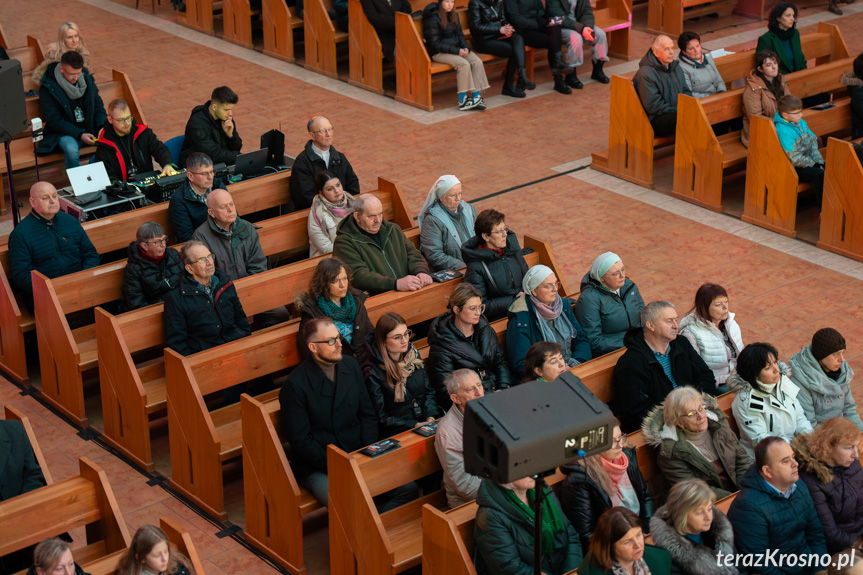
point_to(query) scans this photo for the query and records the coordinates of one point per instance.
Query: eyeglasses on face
(406, 336)
(209, 173)
(619, 441)
(159, 241)
(332, 342)
(324, 131)
(550, 287)
(475, 308)
(695, 412)
(203, 260)
(621, 273)
(502, 232)
(125, 120)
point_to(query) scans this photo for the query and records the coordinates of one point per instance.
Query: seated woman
(150, 554)
(800, 144)
(609, 304)
(830, 468)
(699, 70)
(617, 548)
(68, 38)
(765, 400)
(503, 531)
(713, 333)
(543, 362)
(491, 33)
(494, 263)
(824, 379)
(330, 206)
(52, 557)
(597, 483)
(783, 38)
(693, 530)
(540, 314)
(694, 441)
(463, 339)
(531, 19)
(853, 80)
(445, 43)
(397, 380)
(331, 295)
(764, 87)
(446, 222)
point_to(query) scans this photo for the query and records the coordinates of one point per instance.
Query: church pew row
(631, 140)
(667, 16)
(199, 15)
(238, 18)
(30, 57)
(365, 53)
(281, 24)
(322, 38)
(14, 414)
(841, 223)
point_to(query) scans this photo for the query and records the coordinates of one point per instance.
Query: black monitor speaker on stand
(13, 118)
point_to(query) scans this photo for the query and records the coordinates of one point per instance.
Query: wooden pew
(237, 16)
(199, 15)
(667, 16)
(364, 51)
(13, 414)
(280, 23)
(841, 220)
(30, 57)
(615, 18)
(322, 38)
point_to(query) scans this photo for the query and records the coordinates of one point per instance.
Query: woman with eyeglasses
(329, 208)
(543, 362)
(609, 304)
(596, 483)
(152, 268)
(462, 338)
(332, 295)
(695, 441)
(397, 380)
(540, 314)
(446, 222)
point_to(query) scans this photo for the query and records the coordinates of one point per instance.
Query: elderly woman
(693, 530)
(699, 71)
(830, 468)
(446, 222)
(694, 441)
(783, 38)
(331, 295)
(462, 338)
(765, 400)
(824, 379)
(543, 362)
(540, 314)
(609, 304)
(329, 208)
(54, 557)
(617, 548)
(765, 86)
(712, 331)
(68, 38)
(503, 531)
(599, 482)
(494, 263)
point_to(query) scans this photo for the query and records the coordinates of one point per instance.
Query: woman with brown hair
(330, 206)
(617, 548)
(150, 554)
(543, 362)
(764, 87)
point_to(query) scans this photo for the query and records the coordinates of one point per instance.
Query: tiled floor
(782, 290)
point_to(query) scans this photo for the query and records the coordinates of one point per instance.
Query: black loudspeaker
(13, 112)
(533, 428)
(274, 141)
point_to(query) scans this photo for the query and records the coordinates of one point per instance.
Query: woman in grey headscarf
(540, 314)
(446, 222)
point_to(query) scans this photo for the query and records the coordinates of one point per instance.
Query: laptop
(88, 182)
(250, 164)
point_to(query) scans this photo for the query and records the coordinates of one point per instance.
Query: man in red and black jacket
(128, 148)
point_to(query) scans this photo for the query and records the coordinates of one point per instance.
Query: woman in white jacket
(712, 331)
(329, 207)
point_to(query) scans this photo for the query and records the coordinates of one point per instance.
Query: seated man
(773, 512)
(319, 155)
(655, 362)
(658, 82)
(187, 209)
(378, 253)
(20, 472)
(580, 29)
(211, 130)
(72, 110)
(152, 268)
(48, 241)
(128, 148)
(461, 487)
(382, 16)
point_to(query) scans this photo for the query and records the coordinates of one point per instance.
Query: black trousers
(664, 125)
(549, 38)
(815, 176)
(512, 48)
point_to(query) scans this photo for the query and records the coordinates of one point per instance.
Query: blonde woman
(68, 39)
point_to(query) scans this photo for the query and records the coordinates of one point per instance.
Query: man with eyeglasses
(188, 209)
(152, 268)
(211, 129)
(319, 155)
(71, 108)
(128, 148)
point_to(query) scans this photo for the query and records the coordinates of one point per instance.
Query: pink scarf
(616, 468)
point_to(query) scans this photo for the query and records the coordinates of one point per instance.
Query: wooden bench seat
(841, 223)
(30, 56)
(280, 23)
(199, 15)
(322, 38)
(667, 16)
(238, 18)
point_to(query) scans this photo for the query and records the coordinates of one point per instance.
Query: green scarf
(345, 313)
(552, 524)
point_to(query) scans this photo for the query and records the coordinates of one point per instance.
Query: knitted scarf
(555, 326)
(340, 210)
(639, 568)
(74, 91)
(345, 313)
(615, 469)
(552, 524)
(784, 34)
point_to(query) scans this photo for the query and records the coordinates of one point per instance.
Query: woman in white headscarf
(540, 314)
(330, 206)
(446, 222)
(609, 304)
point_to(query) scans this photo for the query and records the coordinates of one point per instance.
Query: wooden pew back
(280, 21)
(365, 51)
(841, 221)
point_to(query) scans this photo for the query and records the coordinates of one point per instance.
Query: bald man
(658, 82)
(49, 241)
(319, 155)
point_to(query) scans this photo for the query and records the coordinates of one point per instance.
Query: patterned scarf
(409, 363)
(638, 568)
(555, 326)
(552, 524)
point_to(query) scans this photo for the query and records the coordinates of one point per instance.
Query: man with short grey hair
(655, 362)
(658, 82)
(319, 155)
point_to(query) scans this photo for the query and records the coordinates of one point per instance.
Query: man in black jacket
(152, 268)
(128, 148)
(382, 16)
(319, 155)
(211, 129)
(655, 362)
(658, 82)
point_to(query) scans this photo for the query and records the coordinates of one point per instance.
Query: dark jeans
(549, 38)
(664, 125)
(512, 48)
(814, 175)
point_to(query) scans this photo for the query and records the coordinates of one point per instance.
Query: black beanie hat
(825, 342)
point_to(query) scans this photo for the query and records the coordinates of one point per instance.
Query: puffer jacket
(145, 146)
(145, 281)
(605, 316)
(798, 141)
(503, 281)
(58, 114)
(765, 519)
(238, 254)
(504, 538)
(758, 414)
(439, 40)
(855, 92)
(702, 78)
(708, 342)
(363, 327)
(837, 493)
(205, 134)
(450, 350)
(820, 396)
(759, 100)
(688, 557)
(659, 85)
(485, 18)
(678, 459)
(583, 500)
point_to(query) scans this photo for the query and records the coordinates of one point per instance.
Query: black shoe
(513, 92)
(558, 66)
(523, 83)
(560, 85)
(598, 74)
(573, 82)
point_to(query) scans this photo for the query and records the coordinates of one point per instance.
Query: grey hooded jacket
(821, 397)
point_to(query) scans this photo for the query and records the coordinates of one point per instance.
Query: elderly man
(152, 268)
(48, 241)
(378, 253)
(211, 130)
(187, 209)
(773, 513)
(655, 362)
(658, 82)
(319, 155)
(128, 148)
(462, 385)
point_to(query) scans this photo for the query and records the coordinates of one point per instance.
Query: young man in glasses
(152, 269)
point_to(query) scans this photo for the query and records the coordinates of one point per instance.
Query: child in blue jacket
(799, 143)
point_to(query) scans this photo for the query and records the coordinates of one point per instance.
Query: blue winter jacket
(798, 141)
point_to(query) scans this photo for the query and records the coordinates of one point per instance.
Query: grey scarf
(74, 91)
